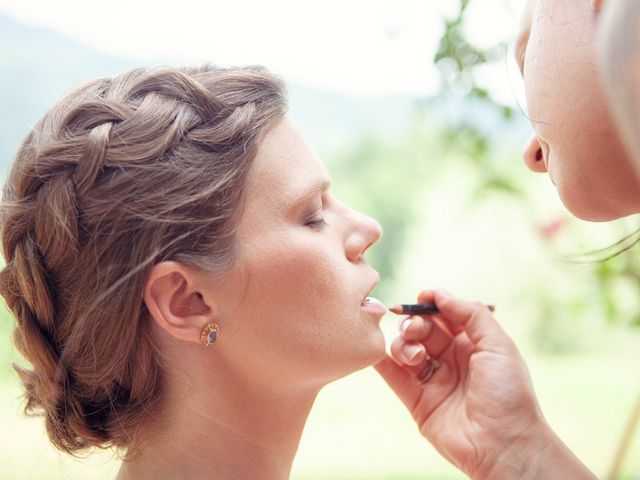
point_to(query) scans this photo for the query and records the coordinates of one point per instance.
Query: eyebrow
(316, 188)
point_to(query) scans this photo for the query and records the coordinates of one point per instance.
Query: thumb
(401, 381)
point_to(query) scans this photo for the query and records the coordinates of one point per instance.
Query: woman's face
(575, 140)
(292, 309)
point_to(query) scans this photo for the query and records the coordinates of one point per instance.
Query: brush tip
(397, 309)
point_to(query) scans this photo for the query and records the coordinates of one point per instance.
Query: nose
(365, 232)
(533, 156)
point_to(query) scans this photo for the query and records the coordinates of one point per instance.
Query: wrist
(538, 453)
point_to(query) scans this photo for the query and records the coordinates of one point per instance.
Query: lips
(374, 307)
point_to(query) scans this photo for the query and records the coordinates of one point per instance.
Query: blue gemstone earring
(209, 333)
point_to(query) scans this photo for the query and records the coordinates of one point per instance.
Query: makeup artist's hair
(121, 174)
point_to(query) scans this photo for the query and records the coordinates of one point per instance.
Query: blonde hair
(121, 174)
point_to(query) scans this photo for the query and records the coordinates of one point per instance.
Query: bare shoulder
(619, 51)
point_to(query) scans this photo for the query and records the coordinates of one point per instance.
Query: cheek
(560, 64)
(552, 93)
(303, 278)
(300, 314)
(595, 179)
(565, 98)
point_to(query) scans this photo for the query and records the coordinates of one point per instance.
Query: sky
(367, 48)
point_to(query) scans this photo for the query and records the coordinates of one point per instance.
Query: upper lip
(372, 285)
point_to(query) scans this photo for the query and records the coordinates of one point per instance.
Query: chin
(368, 353)
(376, 348)
(596, 214)
(600, 211)
(592, 216)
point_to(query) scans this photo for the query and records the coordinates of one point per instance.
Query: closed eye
(316, 224)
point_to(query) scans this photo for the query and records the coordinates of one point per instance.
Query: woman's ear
(175, 303)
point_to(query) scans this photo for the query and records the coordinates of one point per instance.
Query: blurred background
(417, 109)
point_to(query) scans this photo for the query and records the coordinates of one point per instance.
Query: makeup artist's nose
(533, 155)
(364, 232)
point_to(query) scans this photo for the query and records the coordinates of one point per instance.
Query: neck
(237, 429)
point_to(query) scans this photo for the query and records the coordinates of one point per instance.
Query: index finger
(472, 317)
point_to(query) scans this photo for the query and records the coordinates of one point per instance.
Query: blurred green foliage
(385, 180)
(457, 60)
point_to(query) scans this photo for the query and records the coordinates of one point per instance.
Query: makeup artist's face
(575, 140)
(293, 309)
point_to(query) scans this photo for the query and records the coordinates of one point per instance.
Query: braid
(182, 88)
(121, 174)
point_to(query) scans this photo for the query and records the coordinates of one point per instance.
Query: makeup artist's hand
(478, 408)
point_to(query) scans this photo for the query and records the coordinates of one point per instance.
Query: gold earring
(209, 333)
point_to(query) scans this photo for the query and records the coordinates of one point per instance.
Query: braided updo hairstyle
(121, 174)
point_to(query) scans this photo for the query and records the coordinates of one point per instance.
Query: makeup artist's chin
(589, 210)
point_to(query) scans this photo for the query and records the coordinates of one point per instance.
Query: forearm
(619, 45)
(538, 455)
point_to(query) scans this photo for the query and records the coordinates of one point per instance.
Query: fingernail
(411, 350)
(406, 323)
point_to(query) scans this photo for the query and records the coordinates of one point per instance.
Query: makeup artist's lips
(546, 152)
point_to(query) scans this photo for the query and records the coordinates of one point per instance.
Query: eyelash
(316, 223)
(317, 220)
